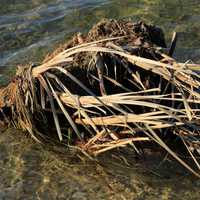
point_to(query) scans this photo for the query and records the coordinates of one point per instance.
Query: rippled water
(31, 28)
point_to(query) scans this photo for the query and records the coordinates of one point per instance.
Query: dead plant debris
(113, 87)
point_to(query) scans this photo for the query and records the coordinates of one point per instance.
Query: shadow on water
(29, 30)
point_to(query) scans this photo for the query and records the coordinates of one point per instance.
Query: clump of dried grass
(110, 92)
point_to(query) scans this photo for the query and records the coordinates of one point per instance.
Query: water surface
(31, 28)
(30, 171)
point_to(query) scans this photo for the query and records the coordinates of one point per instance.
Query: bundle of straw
(109, 90)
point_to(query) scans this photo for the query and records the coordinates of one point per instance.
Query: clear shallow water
(31, 28)
(30, 171)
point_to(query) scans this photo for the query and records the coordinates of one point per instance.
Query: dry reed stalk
(155, 95)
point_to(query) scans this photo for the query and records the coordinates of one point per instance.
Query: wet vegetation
(114, 86)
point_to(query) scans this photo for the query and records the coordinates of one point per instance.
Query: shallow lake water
(29, 29)
(31, 171)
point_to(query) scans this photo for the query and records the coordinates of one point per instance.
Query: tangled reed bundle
(111, 88)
